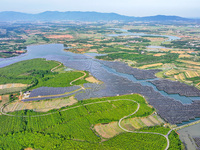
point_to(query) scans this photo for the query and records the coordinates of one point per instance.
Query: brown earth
(41, 106)
(12, 85)
(59, 36)
(92, 79)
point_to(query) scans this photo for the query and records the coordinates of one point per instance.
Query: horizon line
(99, 12)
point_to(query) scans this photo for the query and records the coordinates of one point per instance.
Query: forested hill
(82, 16)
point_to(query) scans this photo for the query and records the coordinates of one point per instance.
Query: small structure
(26, 94)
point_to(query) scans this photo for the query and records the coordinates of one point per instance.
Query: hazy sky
(184, 8)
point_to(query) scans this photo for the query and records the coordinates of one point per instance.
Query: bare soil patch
(112, 129)
(59, 36)
(92, 79)
(12, 85)
(41, 106)
(108, 130)
(93, 51)
(159, 54)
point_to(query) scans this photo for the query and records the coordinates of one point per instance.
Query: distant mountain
(81, 16)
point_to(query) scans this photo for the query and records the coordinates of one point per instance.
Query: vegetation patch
(72, 127)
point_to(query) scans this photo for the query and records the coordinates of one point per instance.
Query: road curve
(119, 123)
(84, 74)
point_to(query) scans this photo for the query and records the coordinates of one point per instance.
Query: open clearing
(108, 130)
(12, 87)
(92, 80)
(41, 106)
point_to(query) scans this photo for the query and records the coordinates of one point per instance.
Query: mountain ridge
(7, 16)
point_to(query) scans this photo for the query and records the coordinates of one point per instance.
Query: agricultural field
(112, 129)
(152, 65)
(11, 88)
(73, 126)
(4, 99)
(41, 106)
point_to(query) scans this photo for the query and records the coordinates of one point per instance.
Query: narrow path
(119, 123)
(52, 70)
(84, 74)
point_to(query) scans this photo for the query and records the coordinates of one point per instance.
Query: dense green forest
(72, 127)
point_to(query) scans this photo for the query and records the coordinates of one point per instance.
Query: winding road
(119, 123)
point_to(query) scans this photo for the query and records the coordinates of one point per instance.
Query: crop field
(4, 99)
(193, 67)
(190, 62)
(72, 127)
(185, 56)
(151, 65)
(108, 130)
(178, 52)
(180, 76)
(112, 129)
(5, 86)
(40, 106)
(191, 74)
(59, 36)
(159, 54)
(172, 72)
(10, 88)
